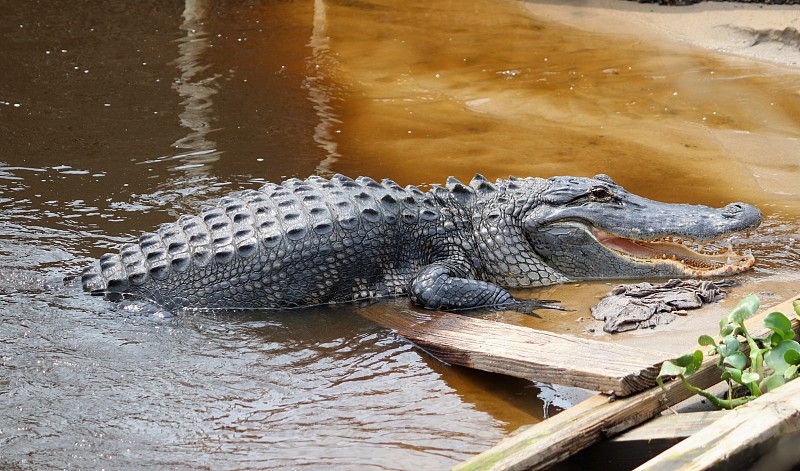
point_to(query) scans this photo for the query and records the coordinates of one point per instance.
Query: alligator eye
(599, 193)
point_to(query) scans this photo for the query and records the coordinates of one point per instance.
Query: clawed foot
(528, 306)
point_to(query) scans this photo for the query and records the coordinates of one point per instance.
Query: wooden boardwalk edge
(669, 427)
(555, 439)
(737, 436)
(527, 353)
(639, 444)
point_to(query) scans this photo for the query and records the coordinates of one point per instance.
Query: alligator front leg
(449, 285)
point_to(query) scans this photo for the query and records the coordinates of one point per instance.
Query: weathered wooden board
(737, 437)
(669, 427)
(594, 419)
(527, 353)
(634, 447)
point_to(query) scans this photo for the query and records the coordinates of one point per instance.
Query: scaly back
(299, 243)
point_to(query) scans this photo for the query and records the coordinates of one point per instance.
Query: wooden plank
(527, 353)
(553, 440)
(740, 436)
(634, 447)
(669, 427)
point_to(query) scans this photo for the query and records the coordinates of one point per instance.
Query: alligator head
(585, 228)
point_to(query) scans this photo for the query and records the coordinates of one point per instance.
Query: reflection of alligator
(322, 241)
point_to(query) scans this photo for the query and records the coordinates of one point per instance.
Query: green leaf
(729, 346)
(771, 340)
(668, 368)
(746, 308)
(775, 357)
(706, 341)
(774, 382)
(729, 329)
(796, 306)
(779, 324)
(695, 362)
(684, 365)
(733, 374)
(736, 360)
(748, 377)
(792, 357)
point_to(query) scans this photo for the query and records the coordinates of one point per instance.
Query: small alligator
(317, 241)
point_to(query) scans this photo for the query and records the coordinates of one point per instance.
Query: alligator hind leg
(449, 285)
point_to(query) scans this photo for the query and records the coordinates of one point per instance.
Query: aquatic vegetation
(757, 364)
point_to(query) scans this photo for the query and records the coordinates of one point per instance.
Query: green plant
(774, 357)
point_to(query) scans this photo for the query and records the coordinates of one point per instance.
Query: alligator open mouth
(674, 251)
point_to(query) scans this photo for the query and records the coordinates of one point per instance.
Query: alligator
(459, 246)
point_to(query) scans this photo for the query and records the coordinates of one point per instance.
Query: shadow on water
(116, 117)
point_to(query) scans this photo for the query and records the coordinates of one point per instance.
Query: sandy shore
(763, 32)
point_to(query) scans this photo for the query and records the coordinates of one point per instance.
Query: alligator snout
(743, 212)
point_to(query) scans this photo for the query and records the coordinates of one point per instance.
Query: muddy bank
(692, 2)
(756, 31)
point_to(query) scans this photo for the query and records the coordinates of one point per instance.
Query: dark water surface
(116, 117)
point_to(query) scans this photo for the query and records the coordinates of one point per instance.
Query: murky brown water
(117, 117)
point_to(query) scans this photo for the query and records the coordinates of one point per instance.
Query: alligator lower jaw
(692, 263)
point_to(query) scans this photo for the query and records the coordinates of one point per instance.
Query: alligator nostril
(733, 210)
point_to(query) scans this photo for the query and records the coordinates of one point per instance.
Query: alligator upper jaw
(673, 251)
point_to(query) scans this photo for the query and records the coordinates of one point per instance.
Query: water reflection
(196, 89)
(320, 87)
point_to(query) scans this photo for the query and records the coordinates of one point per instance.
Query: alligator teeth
(693, 257)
